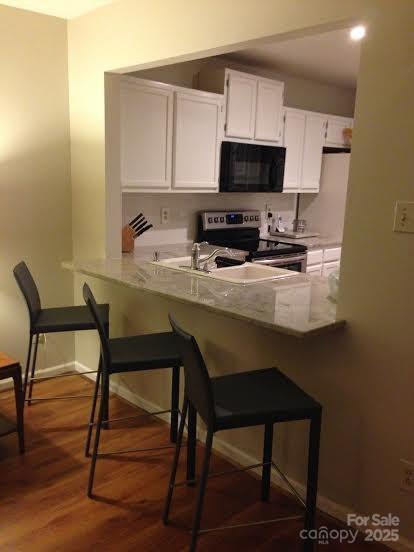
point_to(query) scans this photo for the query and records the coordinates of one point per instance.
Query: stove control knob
(251, 218)
(221, 219)
(256, 217)
(210, 219)
(246, 218)
(216, 219)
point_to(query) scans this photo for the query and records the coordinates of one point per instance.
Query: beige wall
(364, 376)
(35, 199)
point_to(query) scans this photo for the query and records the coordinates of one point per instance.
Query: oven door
(297, 263)
(251, 168)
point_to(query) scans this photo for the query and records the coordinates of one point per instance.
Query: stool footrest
(60, 398)
(219, 474)
(250, 523)
(126, 451)
(288, 483)
(45, 378)
(137, 416)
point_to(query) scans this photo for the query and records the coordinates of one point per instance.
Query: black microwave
(251, 168)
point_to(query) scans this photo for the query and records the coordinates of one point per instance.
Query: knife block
(127, 239)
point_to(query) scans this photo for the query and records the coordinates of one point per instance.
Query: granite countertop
(315, 242)
(297, 305)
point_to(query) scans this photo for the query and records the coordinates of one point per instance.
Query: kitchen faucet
(195, 254)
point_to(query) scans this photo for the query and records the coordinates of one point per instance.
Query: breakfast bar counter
(297, 305)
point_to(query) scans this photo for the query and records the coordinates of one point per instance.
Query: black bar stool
(131, 354)
(50, 320)
(259, 397)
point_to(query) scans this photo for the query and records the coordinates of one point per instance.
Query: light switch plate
(404, 216)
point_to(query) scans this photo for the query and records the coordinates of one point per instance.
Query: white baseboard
(236, 456)
(50, 371)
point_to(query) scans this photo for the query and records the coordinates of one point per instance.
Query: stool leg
(175, 463)
(32, 373)
(312, 485)
(97, 433)
(267, 459)
(105, 415)
(191, 443)
(105, 424)
(201, 491)
(175, 391)
(26, 373)
(18, 394)
(93, 408)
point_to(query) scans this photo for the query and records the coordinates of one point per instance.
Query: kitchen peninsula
(296, 305)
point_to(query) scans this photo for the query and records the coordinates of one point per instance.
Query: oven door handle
(275, 261)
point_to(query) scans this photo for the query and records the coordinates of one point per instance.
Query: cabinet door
(241, 104)
(197, 128)
(293, 142)
(312, 152)
(328, 268)
(269, 110)
(335, 131)
(316, 270)
(146, 136)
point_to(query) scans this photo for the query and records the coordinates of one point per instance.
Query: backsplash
(183, 208)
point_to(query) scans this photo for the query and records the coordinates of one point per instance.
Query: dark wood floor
(43, 504)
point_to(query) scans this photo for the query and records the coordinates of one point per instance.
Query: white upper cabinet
(294, 134)
(146, 135)
(304, 139)
(269, 104)
(253, 107)
(197, 132)
(335, 130)
(312, 152)
(241, 104)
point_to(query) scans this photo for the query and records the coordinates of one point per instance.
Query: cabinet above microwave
(253, 104)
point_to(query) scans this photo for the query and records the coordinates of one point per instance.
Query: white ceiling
(330, 57)
(67, 9)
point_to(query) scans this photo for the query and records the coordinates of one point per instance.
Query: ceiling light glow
(358, 32)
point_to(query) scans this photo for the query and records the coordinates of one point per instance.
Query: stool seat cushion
(144, 352)
(67, 319)
(258, 397)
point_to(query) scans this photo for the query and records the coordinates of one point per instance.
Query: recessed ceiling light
(358, 32)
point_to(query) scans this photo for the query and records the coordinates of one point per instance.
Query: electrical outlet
(42, 339)
(165, 215)
(404, 216)
(407, 476)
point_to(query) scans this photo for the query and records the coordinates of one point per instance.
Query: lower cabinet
(322, 262)
(328, 268)
(316, 270)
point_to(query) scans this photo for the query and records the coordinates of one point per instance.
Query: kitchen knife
(139, 226)
(138, 223)
(134, 220)
(143, 230)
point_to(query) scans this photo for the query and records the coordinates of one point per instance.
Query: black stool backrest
(29, 289)
(197, 380)
(100, 324)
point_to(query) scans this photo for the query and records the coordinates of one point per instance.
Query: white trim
(236, 456)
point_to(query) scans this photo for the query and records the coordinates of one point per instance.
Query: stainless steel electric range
(239, 229)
